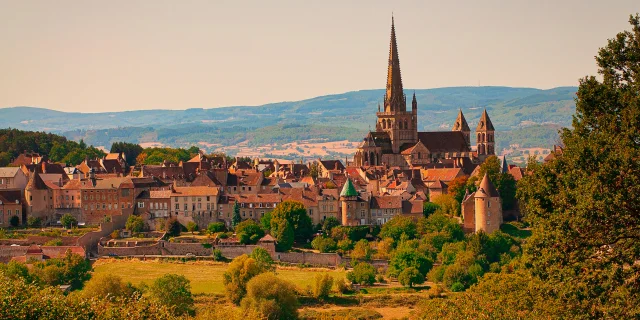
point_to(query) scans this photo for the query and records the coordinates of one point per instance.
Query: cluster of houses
(205, 189)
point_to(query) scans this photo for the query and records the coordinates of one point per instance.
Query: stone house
(11, 204)
(12, 178)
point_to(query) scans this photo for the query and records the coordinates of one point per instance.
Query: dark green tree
(236, 219)
(295, 213)
(130, 150)
(174, 291)
(585, 205)
(249, 232)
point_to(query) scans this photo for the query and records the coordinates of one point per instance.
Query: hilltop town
(414, 224)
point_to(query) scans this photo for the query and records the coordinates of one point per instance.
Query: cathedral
(396, 141)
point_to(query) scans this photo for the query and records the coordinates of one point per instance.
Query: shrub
(345, 245)
(323, 244)
(14, 221)
(380, 279)
(410, 276)
(115, 234)
(342, 286)
(262, 258)
(435, 292)
(71, 269)
(216, 227)
(362, 251)
(217, 255)
(328, 225)
(173, 291)
(457, 287)
(436, 274)
(134, 223)
(68, 220)
(274, 298)
(54, 242)
(173, 227)
(105, 285)
(249, 232)
(238, 274)
(322, 286)
(192, 226)
(428, 208)
(363, 273)
(34, 222)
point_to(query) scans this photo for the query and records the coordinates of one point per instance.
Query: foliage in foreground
(274, 298)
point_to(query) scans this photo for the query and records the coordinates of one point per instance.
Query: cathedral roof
(382, 140)
(486, 188)
(485, 122)
(461, 123)
(444, 141)
(349, 190)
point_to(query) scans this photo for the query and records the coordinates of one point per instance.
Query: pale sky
(94, 56)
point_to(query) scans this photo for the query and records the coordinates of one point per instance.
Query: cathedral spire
(485, 122)
(461, 123)
(394, 98)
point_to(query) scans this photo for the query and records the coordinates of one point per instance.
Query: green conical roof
(349, 190)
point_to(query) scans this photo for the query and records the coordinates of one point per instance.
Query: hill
(346, 116)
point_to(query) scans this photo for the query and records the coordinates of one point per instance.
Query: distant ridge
(336, 116)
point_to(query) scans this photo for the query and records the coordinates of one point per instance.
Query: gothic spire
(485, 122)
(461, 123)
(394, 98)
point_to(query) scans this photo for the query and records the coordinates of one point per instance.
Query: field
(206, 277)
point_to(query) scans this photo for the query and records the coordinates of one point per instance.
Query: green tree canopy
(174, 291)
(295, 213)
(249, 232)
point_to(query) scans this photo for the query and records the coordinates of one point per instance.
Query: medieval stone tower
(349, 204)
(400, 124)
(488, 207)
(485, 134)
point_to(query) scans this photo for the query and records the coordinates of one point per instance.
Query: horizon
(165, 56)
(276, 102)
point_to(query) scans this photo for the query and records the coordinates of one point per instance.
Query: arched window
(405, 125)
(481, 149)
(484, 138)
(384, 124)
(366, 157)
(372, 157)
(388, 124)
(479, 136)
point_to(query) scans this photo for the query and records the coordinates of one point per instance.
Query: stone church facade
(397, 142)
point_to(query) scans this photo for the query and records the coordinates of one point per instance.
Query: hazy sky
(93, 56)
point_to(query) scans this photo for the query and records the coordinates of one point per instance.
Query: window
(8, 212)
(186, 206)
(177, 206)
(125, 192)
(361, 204)
(362, 213)
(208, 198)
(140, 204)
(199, 205)
(488, 204)
(249, 188)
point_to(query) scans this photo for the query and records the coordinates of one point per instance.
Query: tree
(236, 219)
(130, 150)
(586, 201)
(314, 170)
(215, 227)
(410, 276)
(14, 221)
(34, 222)
(282, 231)
(174, 291)
(238, 274)
(249, 232)
(106, 285)
(68, 220)
(328, 225)
(406, 257)
(457, 188)
(504, 182)
(263, 259)
(72, 269)
(16, 271)
(362, 273)
(134, 224)
(192, 226)
(397, 226)
(428, 208)
(322, 286)
(265, 221)
(173, 227)
(295, 213)
(362, 251)
(272, 297)
(324, 244)
(447, 205)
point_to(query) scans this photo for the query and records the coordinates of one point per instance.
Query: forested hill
(534, 115)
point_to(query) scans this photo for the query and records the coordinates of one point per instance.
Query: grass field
(206, 277)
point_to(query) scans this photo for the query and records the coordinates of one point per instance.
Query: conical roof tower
(485, 123)
(394, 99)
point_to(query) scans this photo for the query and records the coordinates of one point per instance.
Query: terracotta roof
(112, 156)
(438, 185)
(10, 196)
(205, 179)
(386, 202)
(109, 183)
(444, 141)
(516, 172)
(195, 191)
(74, 184)
(34, 249)
(412, 207)
(9, 172)
(486, 189)
(160, 194)
(408, 150)
(35, 182)
(332, 164)
(307, 196)
(267, 238)
(244, 178)
(443, 174)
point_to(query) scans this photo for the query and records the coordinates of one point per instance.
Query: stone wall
(90, 240)
(160, 248)
(315, 259)
(40, 240)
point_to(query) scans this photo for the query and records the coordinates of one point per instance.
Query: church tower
(462, 126)
(395, 120)
(485, 134)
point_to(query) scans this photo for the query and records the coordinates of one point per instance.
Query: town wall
(89, 241)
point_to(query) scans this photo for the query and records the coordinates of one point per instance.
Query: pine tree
(236, 214)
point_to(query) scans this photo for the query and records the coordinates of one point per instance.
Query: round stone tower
(348, 202)
(488, 207)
